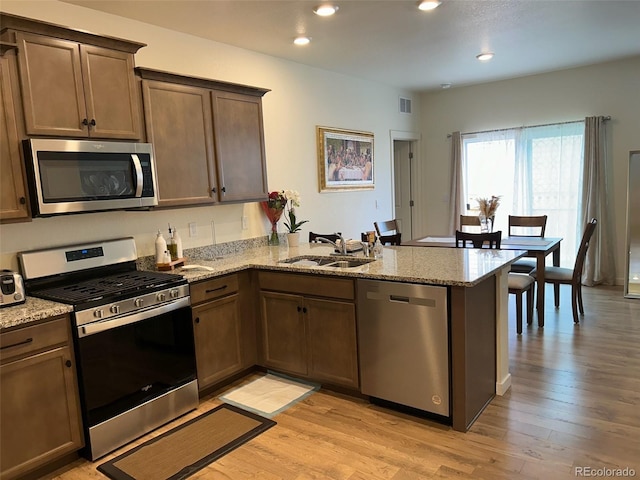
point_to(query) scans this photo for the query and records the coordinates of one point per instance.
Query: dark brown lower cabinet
(39, 407)
(223, 331)
(307, 335)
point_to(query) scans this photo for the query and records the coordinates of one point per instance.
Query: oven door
(127, 361)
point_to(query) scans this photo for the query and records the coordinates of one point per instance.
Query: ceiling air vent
(405, 105)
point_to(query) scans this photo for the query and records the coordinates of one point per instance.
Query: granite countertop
(427, 265)
(32, 310)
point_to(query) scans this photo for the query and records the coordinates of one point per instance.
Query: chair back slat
(478, 239)
(385, 227)
(469, 221)
(329, 236)
(524, 225)
(395, 239)
(582, 251)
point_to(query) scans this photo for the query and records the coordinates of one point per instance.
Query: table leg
(540, 280)
(556, 286)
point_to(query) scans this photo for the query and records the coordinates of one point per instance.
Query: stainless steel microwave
(74, 176)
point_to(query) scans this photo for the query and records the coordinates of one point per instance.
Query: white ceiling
(392, 42)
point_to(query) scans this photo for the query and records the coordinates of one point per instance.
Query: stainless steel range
(133, 337)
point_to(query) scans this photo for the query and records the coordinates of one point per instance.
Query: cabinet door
(52, 91)
(39, 411)
(284, 345)
(113, 104)
(178, 123)
(218, 334)
(13, 194)
(333, 354)
(239, 141)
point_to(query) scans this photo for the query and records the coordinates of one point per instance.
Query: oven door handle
(97, 327)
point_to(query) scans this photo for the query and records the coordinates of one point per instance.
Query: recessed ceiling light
(302, 40)
(325, 10)
(445, 85)
(429, 4)
(484, 57)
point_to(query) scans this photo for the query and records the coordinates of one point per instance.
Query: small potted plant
(292, 223)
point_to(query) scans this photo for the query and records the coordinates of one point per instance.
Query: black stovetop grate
(111, 286)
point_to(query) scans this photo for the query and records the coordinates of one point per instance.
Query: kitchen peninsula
(475, 282)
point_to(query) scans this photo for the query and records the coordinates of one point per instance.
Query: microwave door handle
(139, 176)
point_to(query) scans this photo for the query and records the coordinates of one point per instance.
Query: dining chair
(329, 236)
(571, 276)
(518, 283)
(391, 231)
(479, 239)
(526, 226)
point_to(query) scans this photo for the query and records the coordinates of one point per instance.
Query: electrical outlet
(245, 222)
(193, 230)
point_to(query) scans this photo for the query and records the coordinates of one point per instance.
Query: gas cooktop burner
(130, 283)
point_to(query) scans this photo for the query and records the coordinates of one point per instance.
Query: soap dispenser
(161, 247)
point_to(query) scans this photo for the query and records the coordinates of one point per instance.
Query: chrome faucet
(343, 244)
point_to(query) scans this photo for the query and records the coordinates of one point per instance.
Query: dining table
(536, 247)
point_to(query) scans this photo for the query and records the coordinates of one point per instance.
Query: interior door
(402, 160)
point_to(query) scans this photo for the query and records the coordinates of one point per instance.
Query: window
(535, 171)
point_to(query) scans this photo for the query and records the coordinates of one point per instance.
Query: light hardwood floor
(574, 403)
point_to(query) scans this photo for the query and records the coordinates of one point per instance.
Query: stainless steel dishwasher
(403, 340)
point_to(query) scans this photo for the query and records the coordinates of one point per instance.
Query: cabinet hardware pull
(213, 190)
(216, 289)
(85, 122)
(92, 122)
(197, 320)
(68, 363)
(23, 200)
(299, 308)
(304, 310)
(224, 190)
(24, 342)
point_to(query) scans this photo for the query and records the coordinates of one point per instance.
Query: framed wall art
(345, 159)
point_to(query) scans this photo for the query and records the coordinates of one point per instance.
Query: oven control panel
(131, 305)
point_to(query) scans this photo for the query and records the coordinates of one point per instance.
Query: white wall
(611, 88)
(301, 98)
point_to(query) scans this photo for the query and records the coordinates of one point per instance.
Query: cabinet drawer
(316, 285)
(214, 288)
(34, 338)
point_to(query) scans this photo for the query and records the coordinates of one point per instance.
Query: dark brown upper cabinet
(75, 84)
(208, 139)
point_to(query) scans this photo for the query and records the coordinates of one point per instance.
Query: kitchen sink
(350, 263)
(320, 261)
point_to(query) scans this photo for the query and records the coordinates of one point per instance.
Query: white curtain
(456, 191)
(599, 265)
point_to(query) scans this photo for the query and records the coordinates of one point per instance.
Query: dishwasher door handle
(398, 298)
(387, 297)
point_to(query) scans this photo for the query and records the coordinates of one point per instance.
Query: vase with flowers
(292, 223)
(273, 208)
(487, 207)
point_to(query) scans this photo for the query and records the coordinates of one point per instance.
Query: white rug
(269, 395)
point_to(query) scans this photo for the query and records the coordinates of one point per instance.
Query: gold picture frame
(345, 159)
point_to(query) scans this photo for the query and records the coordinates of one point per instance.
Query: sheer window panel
(535, 171)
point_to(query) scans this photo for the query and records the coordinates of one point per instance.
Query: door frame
(414, 138)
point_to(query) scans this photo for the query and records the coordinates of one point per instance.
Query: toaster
(11, 288)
